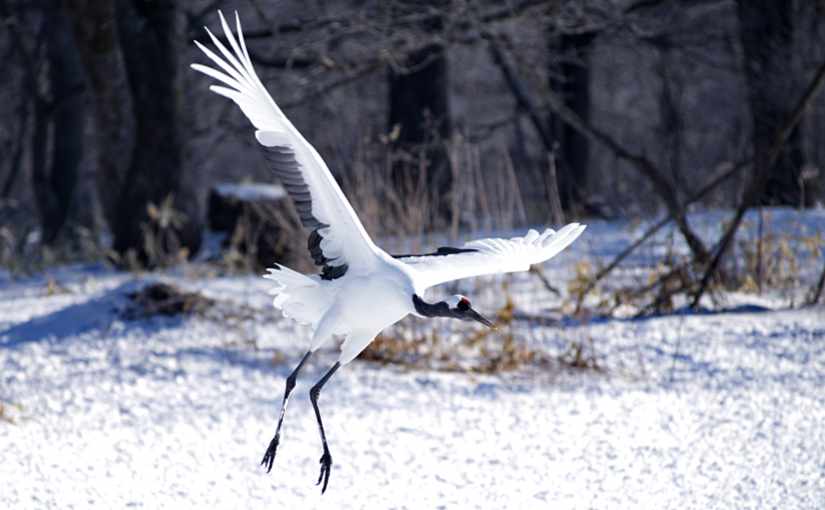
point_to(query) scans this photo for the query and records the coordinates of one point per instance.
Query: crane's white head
(454, 307)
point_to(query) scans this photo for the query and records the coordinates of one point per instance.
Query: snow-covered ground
(716, 410)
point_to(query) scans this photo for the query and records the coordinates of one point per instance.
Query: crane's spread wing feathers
(337, 240)
(490, 256)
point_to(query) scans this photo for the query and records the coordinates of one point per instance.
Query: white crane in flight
(361, 289)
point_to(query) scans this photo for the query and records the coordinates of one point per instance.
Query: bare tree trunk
(97, 41)
(16, 147)
(569, 76)
(59, 123)
(419, 115)
(671, 120)
(149, 33)
(16, 160)
(129, 48)
(18, 54)
(766, 32)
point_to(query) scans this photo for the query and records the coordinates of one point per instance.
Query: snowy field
(712, 410)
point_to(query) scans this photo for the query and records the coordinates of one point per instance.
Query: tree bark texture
(59, 126)
(569, 78)
(766, 32)
(149, 31)
(129, 49)
(96, 36)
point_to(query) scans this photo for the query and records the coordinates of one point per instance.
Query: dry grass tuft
(165, 299)
(482, 351)
(581, 356)
(6, 412)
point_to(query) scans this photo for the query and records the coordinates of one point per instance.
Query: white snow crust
(711, 410)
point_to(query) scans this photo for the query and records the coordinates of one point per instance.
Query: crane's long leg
(269, 456)
(326, 458)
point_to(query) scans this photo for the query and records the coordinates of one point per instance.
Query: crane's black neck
(425, 309)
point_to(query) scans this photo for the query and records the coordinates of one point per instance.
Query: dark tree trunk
(16, 159)
(419, 115)
(98, 43)
(766, 31)
(569, 77)
(149, 31)
(59, 125)
(129, 48)
(15, 149)
(671, 120)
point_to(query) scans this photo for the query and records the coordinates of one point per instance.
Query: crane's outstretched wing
(337, 241)
(490, 256)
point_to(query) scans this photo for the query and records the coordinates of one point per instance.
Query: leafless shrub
(774, 259)
(768, 257)
(161, 243)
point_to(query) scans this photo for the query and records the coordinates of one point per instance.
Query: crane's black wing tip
(440, 252)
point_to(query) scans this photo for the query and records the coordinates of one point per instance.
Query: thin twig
(538, 271)
(815, 294)
(327, 87)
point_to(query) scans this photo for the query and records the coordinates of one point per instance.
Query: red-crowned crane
(361, 289)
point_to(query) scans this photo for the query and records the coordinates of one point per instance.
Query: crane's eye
(463, 304)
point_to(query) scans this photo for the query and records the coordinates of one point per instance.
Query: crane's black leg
(269, 456)
(326, 458)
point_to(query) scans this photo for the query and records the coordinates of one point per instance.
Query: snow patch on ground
(711, 410)
(251, 192)
(701, 411)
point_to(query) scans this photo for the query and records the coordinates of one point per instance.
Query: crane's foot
(326, 468)
(269, 456)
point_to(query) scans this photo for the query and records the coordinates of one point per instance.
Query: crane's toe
(326, 468)
(269, 456)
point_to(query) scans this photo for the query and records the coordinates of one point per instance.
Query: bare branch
(538, 271)
(356, 75)
(757, 185)
(642, 164)
(707, 188)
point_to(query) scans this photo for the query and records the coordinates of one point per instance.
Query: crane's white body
(356, 306)
(362, 289)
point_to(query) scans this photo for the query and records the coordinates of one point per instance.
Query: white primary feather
(344, 237)
(491, 256)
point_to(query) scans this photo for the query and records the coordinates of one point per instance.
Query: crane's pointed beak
(472, 314)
